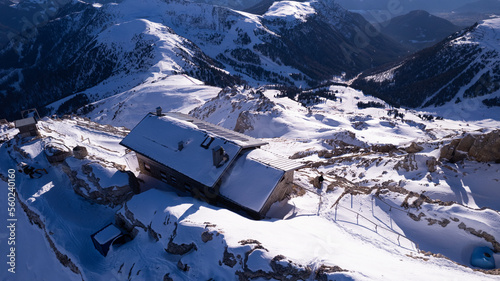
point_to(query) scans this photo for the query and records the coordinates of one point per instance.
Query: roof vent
(220, 157)
(158, 111)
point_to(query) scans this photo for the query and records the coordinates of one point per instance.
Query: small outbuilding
(213, 163)
(27, 127)
(106, 237)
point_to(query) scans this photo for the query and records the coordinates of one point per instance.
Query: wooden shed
(27, 127)
(211, 162)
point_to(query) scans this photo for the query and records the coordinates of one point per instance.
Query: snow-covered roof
(240, 139)
(25, 122)
(250, 182)
(275, 161)
(160, 138)
(107, 234)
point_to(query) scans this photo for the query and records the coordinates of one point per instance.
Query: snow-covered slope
(462, 73)
(173, 93)
(381, 203)
(124, 44)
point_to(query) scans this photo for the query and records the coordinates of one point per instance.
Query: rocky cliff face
(482, 148)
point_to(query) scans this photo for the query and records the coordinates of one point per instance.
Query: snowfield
(381, 213)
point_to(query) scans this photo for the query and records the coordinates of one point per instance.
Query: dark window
(187, 186)
(164, 177)
(207, 142)
(173, 179)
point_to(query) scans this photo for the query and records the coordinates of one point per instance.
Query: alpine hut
(211, 162)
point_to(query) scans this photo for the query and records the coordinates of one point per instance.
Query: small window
(147, 167)
(187, 186)
(207, 142)
(173, 179)
(164, 177)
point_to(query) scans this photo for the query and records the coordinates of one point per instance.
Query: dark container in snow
(80, 152)
(482, 257)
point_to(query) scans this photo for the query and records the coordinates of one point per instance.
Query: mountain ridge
(464, 67)
(151, 39)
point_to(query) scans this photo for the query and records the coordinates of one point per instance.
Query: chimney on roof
(219, 156)
(158, 111)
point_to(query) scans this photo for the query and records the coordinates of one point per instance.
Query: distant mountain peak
(418, 29)
(464, 68)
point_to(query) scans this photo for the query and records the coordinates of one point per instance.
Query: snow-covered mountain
(124, 44)
(406, 194)
(461, 73)
(386, 198)
(418, 29)
(233, 4)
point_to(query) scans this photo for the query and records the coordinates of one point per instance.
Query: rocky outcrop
(408, 163)
(481, 234)
(244, 122)
(91, 188)
(481, 148)
(179, 249)
(324, 271)
(432, 164)
(414, 148)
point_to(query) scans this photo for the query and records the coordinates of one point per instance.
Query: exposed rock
(324, 270)
(91, 188)
(180, 249)
(431, 164)
(486, 148)
(415, 217)
(243, 123)
(181, 266)
(80, 152)
(56, 153)
(303, 154)
(447, 152)
(228, 258)
(167, 277)
(414, 148)
(281, 270)
(153, 234)
(206, 236)
(482, 148)
(408, 163)
(326, 154)
(466, 143)
(289, 269)
(317, 182)
(249, 241)
(481, 234)
(442, 223)
(385, 148)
